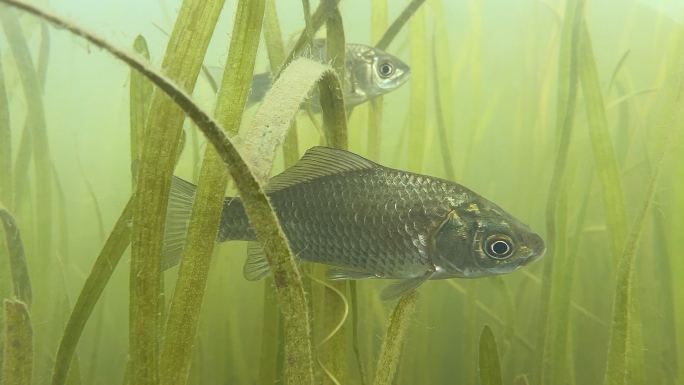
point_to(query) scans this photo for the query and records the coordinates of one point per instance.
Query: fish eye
(386, 69)
(499, 247)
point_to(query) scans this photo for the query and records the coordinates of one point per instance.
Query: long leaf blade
(18, 365)
(393, 343)
(203, 226)
(182, 62)
(602, 144)
(102, 270)
(21, 281)
(490, 368)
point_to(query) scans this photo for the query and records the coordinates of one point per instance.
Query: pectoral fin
(403, 286)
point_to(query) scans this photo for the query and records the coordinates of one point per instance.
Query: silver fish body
(370, 221)
(369, 72)
(374, 221)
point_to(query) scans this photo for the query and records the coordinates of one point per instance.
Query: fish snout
(403, 74)
(536, 244)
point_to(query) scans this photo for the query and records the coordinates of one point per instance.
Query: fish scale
(367, 220)
(370, 221)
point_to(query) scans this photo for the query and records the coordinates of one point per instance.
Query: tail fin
(257, 91)
(177, 217)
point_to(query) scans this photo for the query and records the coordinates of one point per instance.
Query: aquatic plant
(18, 358)
(7, 188)
(392, 344)
(557, 106)
(490, 369)
(187, 298)
(416, 136)
(556, 205)
(21, 282)
(37, 126)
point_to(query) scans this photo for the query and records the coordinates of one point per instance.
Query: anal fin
(256, 265)
(336, 274)
(404, 286)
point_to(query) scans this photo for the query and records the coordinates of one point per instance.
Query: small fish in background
(369, 72)
(369, 221)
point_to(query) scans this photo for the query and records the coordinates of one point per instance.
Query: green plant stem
(625, 352)
(439, 113)
(567, 101)
(393, 343)
(140, 96)
(25, 152)
(443, 72)
(6, 187)
(272, 319)
(489, 312)
(208, 203)
(336, 305)
(336, 133)
(378, 27)
(604, 155)
(418, 91)
(470, 335)
(324, 10)
(354, 302)
(490, 369)
(273, 241)
(18, 361)
(398, 24)
(504, 292)
(102, 270)
(21, 281)
(269, 336)
(276, 56)
(310, 33)
(335, 42)
(182, 62)
(36, 121)
(621, 364)
(62, 303)
(474, 54)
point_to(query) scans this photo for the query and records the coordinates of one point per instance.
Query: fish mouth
(405, 76)
(538, 248)
(535, 255)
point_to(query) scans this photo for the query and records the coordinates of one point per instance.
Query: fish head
(481, 239)
(371, 72)
(387, 72)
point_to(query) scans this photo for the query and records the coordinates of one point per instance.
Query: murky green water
(597, 305)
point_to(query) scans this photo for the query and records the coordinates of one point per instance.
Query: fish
(369, 72)
(367, 221)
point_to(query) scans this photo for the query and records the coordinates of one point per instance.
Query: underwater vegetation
(567, 114)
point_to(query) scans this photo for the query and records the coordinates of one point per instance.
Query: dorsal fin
(318, 162)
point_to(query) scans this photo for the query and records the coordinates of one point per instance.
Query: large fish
(370, 221)
(369, 72)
